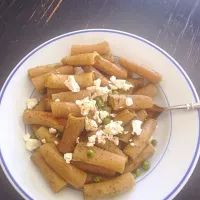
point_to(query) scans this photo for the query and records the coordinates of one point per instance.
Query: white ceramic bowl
(177, 133)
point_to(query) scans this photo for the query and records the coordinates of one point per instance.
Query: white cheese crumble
(113, 115)
(132, 144)
(26, 137)
(131, 140)
(103, 114)
(77, 140)
(129, 101)
(57, 100)
(52, 130)
(32, 144)
(72, 84)
(114, 128)
(56, 142)
(96, 117)
(97, 90)
(43, 141)
(119, 84)
(90, 124)
(125, 132)
(68, 157)
(31, 103)
(91, 141)
(136, 126)
(86, 105)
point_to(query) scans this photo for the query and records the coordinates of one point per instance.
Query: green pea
(90, 153)
(154, 142)
(106, 120)
(97, 179)
(135, 176)
(146, 165)
(137, 172)
(115, 92)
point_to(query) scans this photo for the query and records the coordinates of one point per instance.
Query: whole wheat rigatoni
(100, 48)
(54, 180)
(73, 129)
(149, 74)
(109, 68)
(81, 59)
(63, 109)
(57, 81)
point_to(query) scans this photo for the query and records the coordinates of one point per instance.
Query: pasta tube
(93, 169)
(108, 57)
(57, 81)
(149, 90)
(110, 188)
(101, 157)
(118, 102)
(44, 119)
(73, 129)
(132, 165)
(51, 91)
(71, 96)
(43, 133)
(125, 116)
(55, 181)
(136, 82)
(101, 48)
(81, 59)
(43, 69)
(39, 81)
(78, 70)
(141, 115)
(68, 172)
(110, 68)
(149, 74)
(142, 140)
(97, 74)
(63, 109)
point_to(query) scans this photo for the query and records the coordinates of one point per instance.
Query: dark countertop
(174, 25)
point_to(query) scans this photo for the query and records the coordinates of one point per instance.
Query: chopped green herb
(106, 120)
(97, 179)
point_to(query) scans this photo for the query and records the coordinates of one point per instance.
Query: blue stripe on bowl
(196, 154)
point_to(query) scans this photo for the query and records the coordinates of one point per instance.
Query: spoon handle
(189, 106)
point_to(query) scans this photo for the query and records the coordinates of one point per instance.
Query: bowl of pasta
(83, 116)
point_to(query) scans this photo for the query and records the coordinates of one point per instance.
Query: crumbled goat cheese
(31, 103)
(86, 105)
(26, 137)
(90, 124)
(112, 115)
(52, 130)
(103, 114)
(125, 132)
(119, 84)
(32, 144)
(96, 117)
(91, 140)
(43, 141)
(132, 144)
(114, 128)
(129, 101)
(131, 140)
(56, 142)
(72, 84)
(115, 141)
(77, 140)
(68, 157)
(136, 126)
(57, 100)
(97, 90)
